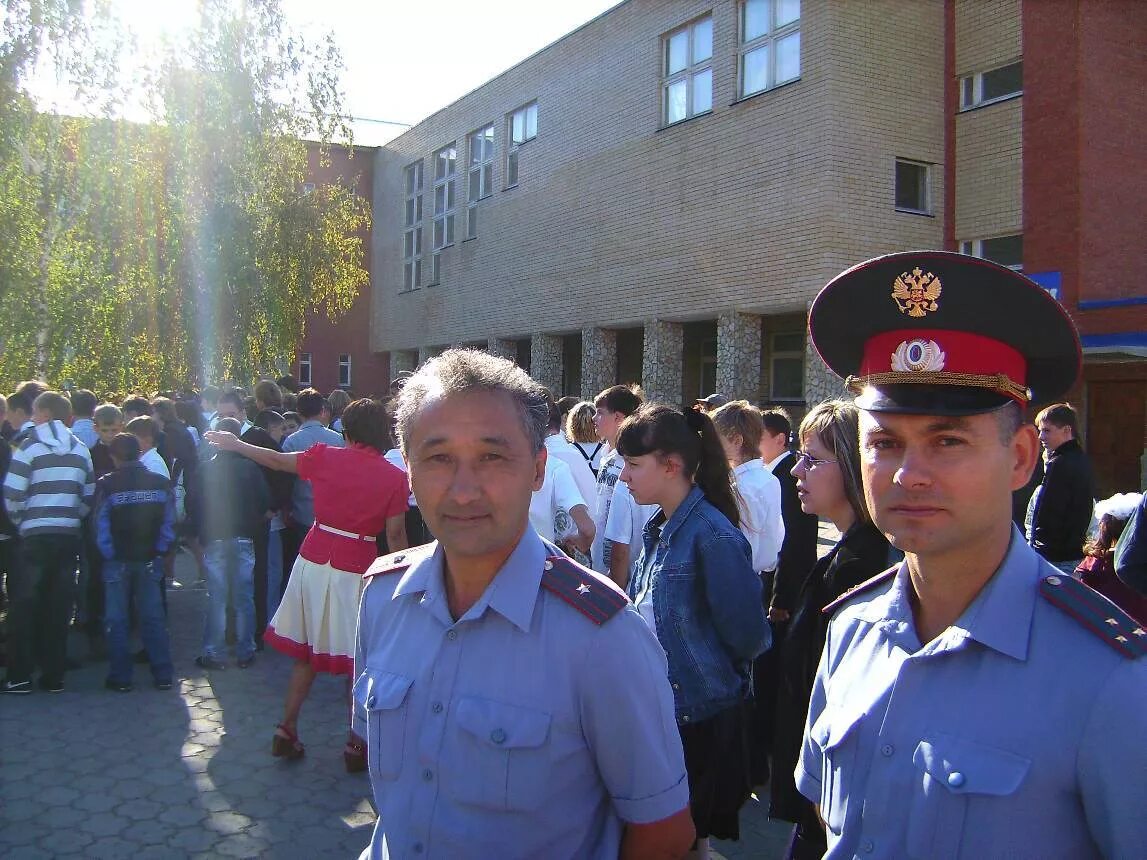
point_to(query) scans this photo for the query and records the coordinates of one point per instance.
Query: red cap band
(938, 350)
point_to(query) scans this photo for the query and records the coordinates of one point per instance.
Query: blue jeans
(230, 563)
(141, 582)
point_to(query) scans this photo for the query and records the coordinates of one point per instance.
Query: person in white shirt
(740, 426)
(583, 436)
(558, 448)
(146, 431)
(624, 529)
(611, 407)
(558, 512)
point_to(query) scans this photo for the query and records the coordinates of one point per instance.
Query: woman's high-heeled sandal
(286, 745)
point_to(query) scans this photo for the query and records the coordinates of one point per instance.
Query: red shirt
(355, 490)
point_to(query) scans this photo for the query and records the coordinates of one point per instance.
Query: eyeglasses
(808, 462)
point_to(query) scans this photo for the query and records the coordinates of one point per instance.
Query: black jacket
(1063, 507)
(6, 526)
(798, 550)
(228, 499)
(279, 483)
(862, 553)
(135, 514)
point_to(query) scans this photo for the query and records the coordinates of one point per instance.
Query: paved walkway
(188, 772)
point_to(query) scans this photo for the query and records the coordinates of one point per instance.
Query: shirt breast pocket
(951, 774)
(382, 696)
(504, 751)
(836, 732)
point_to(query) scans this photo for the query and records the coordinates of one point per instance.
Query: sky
(404, 59)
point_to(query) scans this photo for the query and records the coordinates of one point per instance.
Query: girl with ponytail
(695, 585)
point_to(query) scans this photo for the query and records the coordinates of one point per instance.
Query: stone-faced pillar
(598, 361)
(546, 361)
(820, 383)
(425, 353)
(661, 362)
(402, 361)
(739, 356)
(503, 348)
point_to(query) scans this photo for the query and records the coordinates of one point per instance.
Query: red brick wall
(326, 340)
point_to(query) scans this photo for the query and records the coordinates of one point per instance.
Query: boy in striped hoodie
(48, 492)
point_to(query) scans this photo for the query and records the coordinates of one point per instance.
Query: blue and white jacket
(50, 482)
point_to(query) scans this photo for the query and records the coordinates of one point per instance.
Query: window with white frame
(435, 268)
(304, 368)
(1005, 250)
(481, 175)
(445, 168)
(412, 228)
(786, 366)
(770, 45)
(913, 187)
(984, 88)
(344, 371)
(687, 71)
(521, 128)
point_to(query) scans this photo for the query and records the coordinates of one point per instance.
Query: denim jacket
(707, 605)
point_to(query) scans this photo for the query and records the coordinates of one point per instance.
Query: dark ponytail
(657, 429)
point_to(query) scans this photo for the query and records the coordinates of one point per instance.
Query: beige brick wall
(615, 221)
(988, 34)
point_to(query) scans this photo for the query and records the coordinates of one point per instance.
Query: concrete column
(546, 361)
(402, 361)
(661, 362)
(598, 360)
(503, 348)
(739, 356)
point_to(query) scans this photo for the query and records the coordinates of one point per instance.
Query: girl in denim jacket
(696, 587)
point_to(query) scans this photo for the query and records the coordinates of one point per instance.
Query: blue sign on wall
(1050, 281)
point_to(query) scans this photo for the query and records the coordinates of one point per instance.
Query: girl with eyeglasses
(828, 479)
(695, 585)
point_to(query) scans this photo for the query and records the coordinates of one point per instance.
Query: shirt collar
(999, 617)
(668, 527)
(748, 466)
(512, 593)
(772, 464)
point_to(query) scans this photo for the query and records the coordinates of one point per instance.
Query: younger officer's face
(939, 485)
(473, 470)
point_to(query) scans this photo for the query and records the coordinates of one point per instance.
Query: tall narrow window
(344, 371)
(481, 175)
(445, 161)
(412, 228)
(304, 368)
(687, 71)
(1005, 250)
(521, 127)
(913, 187)
(786, 366)
(770, 44)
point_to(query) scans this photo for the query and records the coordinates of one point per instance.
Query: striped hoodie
(50, 482)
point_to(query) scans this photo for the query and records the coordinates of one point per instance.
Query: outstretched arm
(277, 460)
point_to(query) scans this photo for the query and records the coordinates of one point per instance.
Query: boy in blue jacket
(135, 525)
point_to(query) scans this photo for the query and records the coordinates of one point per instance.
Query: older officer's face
(473, 471)
(938, 485)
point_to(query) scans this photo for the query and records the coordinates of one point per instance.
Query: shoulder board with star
(857, 590)
(397, 562)
(595, 597)
(1095, 612)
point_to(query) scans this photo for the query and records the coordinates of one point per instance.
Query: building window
(304, 368)
(481, 179)
(308, 188)
(522, 127)
(687, 71)
(445, 161)
(786, 366)
(435, 268)
(983, 88)
(770, 44)
(913, 191)
(344, 371)
(1005, 250)
(412, 229)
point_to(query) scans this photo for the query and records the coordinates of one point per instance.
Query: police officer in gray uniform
(972, 702)
(515, 704)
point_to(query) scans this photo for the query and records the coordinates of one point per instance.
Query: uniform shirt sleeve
(1112, 763)
(810, 764)
(626, 709)
(358, 717)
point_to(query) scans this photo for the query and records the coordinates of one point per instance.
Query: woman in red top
(357, 496)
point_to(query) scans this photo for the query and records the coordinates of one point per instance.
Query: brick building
(657, 196)
(338, 354)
